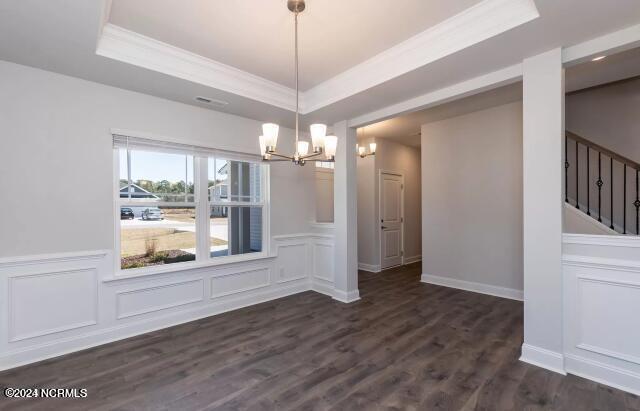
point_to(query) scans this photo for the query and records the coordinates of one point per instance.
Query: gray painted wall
(392, 157)
(56, 173)
(472, 197)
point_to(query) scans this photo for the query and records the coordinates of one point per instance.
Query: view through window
(159, 208)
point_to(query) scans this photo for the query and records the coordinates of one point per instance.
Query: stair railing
(600, 151)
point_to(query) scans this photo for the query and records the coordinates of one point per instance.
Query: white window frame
(202, 206)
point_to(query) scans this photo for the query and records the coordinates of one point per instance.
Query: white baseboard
(603, 373)
(346, 297)
(372, 268)
(411, 260)
(503, 292)
(52, 349)
(541, 357)
(322, 287)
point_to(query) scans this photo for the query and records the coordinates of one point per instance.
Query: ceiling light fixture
(320, 142)
(598, 58)
(362, 150)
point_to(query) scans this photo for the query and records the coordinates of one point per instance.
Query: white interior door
(391, 220)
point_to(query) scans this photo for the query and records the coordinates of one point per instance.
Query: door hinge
(402, 253)
(402, 219)
(401, 186)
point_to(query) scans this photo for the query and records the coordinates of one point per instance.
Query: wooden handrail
(626, 161)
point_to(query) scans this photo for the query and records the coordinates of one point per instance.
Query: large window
(178, 204)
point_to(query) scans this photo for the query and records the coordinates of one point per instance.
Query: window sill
(186, 266)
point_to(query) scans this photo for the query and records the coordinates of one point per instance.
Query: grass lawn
(134, 240)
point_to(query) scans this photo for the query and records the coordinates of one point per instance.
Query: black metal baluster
(566, 171)
(577, 175)
(588, 184)
(599, 184)
(624, 200)
(611, 189)
(637, 204)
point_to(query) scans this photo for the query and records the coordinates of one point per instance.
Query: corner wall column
(346, 215)
(543, 130)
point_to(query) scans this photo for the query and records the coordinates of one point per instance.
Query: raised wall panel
(601, 309)
(52, 302)
(608, 317)
(292, 262)
(237, 282)
(146, 300)
(323, 261)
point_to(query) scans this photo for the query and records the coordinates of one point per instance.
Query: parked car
(126, 213)
(152, 214)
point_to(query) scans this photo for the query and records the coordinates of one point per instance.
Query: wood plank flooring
(404, 346)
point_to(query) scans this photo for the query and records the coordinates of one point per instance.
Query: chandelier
(321, 143)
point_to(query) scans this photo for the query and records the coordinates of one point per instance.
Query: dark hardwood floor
(404, 345)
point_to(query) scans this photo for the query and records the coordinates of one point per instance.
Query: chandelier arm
(290, 158)
(310, 156)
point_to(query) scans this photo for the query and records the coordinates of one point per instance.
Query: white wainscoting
(62, 303)
(322, 264)
(601, 309)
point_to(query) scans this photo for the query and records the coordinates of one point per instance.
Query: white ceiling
(614, 67)
(64, 35)
(406, 129)
(257, 36)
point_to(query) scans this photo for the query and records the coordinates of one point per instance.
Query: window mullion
(203, 228)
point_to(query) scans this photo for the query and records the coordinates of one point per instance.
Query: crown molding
(478, 23)
(486, 19)
(130, 47)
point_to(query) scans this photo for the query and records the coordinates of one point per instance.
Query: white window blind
(148, 144)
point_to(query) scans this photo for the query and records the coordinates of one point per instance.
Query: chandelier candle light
(320, 141)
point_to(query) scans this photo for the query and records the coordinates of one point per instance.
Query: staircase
(602, 184)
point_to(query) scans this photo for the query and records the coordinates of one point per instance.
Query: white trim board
(541, 357)
(493, 290)
(484, 20)
(413, 259)
(603, 373)
(372, 268)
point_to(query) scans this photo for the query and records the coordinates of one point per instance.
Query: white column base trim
(603, 373)
(322, 287)
(346, 297)
(372, 268)
(503, 292)
(541, 357)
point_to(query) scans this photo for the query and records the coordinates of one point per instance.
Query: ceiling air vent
(212, 102)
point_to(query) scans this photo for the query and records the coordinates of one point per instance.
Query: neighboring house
(219, 192)
(139, 193)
